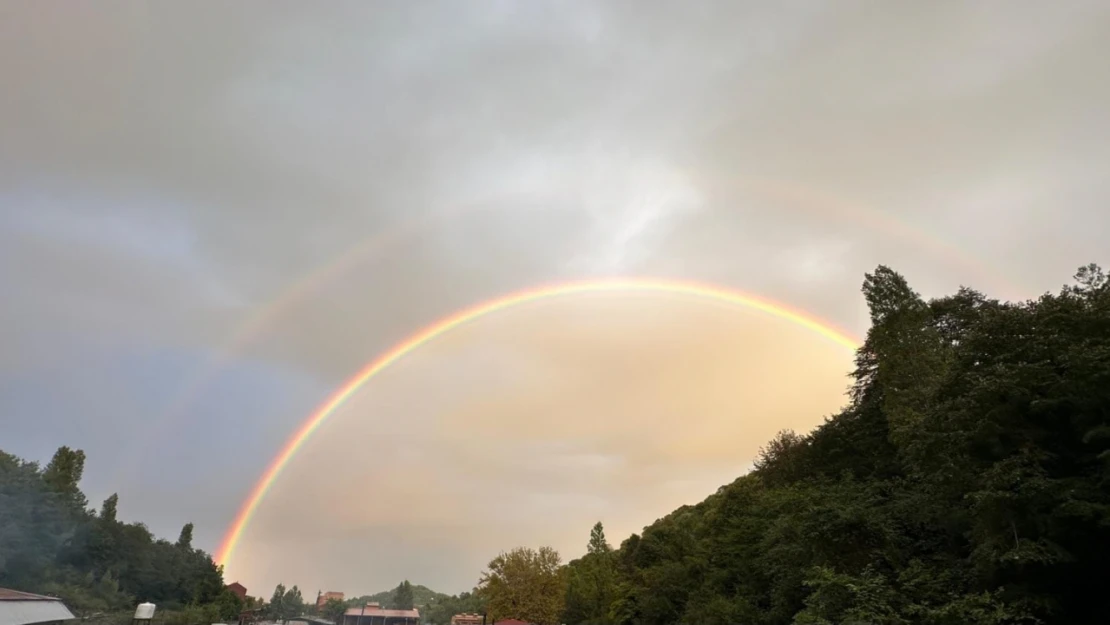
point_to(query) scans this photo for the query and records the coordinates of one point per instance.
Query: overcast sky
(212, 213)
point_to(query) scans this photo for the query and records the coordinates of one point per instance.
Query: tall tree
(185, 538)
(276, 608)
(598, 544)
(108, 508)
(402, 596)
(293, 602)
(63, 474)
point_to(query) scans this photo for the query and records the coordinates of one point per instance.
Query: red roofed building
(468, 619)
(239, 590)
(373, 614)
(512, 621)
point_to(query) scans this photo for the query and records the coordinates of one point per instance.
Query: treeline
(52, 543)
(967, 482)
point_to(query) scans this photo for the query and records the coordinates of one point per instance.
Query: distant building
(468, 619)
(512, 621)
(328, 596)
(374, 614)
(239, 590)
(24, 608)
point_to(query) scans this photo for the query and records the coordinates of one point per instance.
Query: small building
(374, 614)
(468, 618)
(512, 621)
(328, 596)
(239, 590)
(24, 608)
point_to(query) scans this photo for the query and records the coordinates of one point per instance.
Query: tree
(63, 474)
(402, 596)
(108, 509)
(276, 608)
(333, 610)
(598, 544)
(293, 602)
(185, 539)
(525, 584)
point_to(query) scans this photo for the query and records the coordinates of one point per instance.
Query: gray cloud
(261, 186)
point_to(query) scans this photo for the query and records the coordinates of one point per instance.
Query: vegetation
(421, 596)
(284, 604)
(525, 584)
(440, 610)
(51, 543)
(967, 481)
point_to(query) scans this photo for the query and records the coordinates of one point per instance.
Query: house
(323, 598)
(24, 608)
(239, 590)
(511, 621)
(468, 619)
(374, 614)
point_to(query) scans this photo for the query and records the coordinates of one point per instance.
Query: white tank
(144, 612)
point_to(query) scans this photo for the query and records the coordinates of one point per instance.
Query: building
(24, 608)
(327, 596)
(239, 590)
(374, 614)
(511, 621)
(468, 619)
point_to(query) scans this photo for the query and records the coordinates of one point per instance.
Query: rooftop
(7, 594)
(20, 608)
(375, 611)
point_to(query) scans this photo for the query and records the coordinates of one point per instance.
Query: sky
(212, 214)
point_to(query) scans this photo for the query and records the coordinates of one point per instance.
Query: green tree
(591, 587)
(276, 608)
(402, 596)
(185, 539)
(525, 584)
(293, 602)
(598, 544)
(108, 509)
(333, 610)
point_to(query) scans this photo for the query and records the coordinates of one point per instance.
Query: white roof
(20, 608)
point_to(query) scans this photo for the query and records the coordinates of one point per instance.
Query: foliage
(50, 543)
(966, 481)
(402, 597)
(285, 603)
(421, 596)
(333, 610)
(525, 584)
(439, 610)
(591, 582)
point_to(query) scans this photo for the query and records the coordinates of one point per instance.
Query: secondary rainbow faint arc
(429, 333)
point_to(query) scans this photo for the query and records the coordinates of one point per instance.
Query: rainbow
(693, 289)
(381, 243)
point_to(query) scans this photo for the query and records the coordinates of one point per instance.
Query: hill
(421, 596)
(967, 481)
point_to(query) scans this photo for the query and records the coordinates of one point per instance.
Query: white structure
(144, 612)
(24, 608)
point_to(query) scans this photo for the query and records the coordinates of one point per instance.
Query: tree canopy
(50, 543)
(967, 481)
(525, 584)
(402, 596)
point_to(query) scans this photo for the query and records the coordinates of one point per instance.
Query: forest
(52, 543)
(964, 483)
